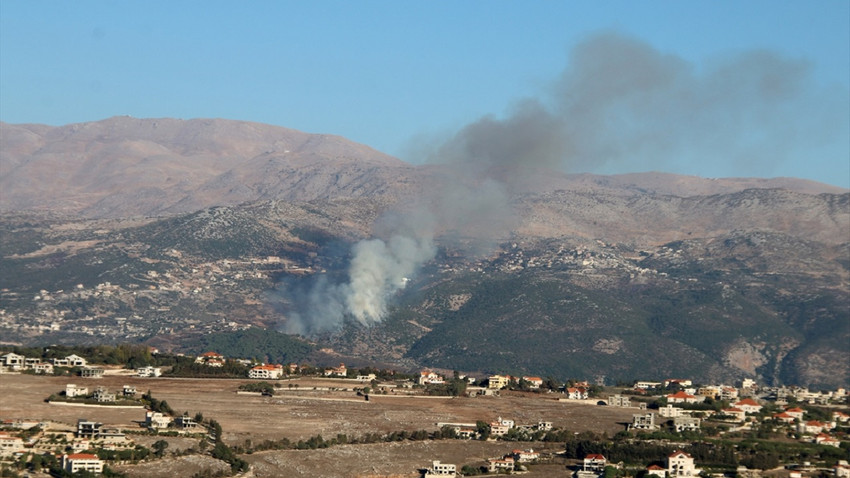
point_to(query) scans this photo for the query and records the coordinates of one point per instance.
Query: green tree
(159, 448)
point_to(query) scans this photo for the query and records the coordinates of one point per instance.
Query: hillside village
(675, 413)
(178, 288)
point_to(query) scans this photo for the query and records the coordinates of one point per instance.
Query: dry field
(301, 412)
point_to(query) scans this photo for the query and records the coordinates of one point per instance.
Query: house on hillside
(79, 462)
(12, 361)
(534, 382)
(728, 393)
(156, 420)
(9, 445)
(683, 397)
(736, 413)
(92, 372)
(44, 368)
(440, 469)
(185, 422)
(72, 391)
(148, 371)
(88, 429)
(498, 382)
(269, 372)
(525, 456)
(643, 421)
(594, 462)
(841, 469)
(619, 401)
(656, 470)
(783, 417)
(576, 393)
(497, 465)
(825, 439)
(427, 377)
(669, 411)
(813, 427)
(643, 384)
(681, 464)
(212, 359)
(102, 395)
(70, 361)
(748, 405)
(683, 424)
(340, 371)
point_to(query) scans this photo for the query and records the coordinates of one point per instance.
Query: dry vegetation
(302, 412)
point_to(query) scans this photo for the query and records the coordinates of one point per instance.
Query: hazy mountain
(125, 166)
(610, 277)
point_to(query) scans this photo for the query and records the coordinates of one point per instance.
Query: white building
(10, 445)
(148, 371)
(156, 420)
(82, 462)
(272, 372)
(72, 391)
(12, 361)
(681, 464)
(440, 469)
(70, 361)
(430, 377)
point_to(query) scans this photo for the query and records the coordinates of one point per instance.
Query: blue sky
(397, 75)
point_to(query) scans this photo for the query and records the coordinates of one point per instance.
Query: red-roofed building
(748, 405)
(340, 371)
(10, 445)
(82, 462)
(682, 397)
(784, 417)
(272, 372)
(824, 439)
(534, 382)
(499, 464)
(576, 393)
(430, 377)
(524, 456)
(739, 414)
(656, 470)
(812, 427)
(594, 462)
(680, 463)
(796, 412)
(213, 359)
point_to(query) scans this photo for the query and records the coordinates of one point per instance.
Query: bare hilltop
(227, 224)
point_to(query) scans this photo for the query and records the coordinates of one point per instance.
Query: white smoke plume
(380, 269)
(619, 101)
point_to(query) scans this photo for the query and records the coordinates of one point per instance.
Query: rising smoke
(618, 102)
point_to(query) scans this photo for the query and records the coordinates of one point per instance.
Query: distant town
(690, 429)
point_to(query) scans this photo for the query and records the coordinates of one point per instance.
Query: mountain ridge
(162, 231)
(127, 166)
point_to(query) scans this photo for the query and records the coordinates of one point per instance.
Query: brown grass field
(302, 412)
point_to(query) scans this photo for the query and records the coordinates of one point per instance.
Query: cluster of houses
(504, 464)
(70, 446)
(100, 394)
(676, 465)
(12, 362)
(499, 427)
(743, 413)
